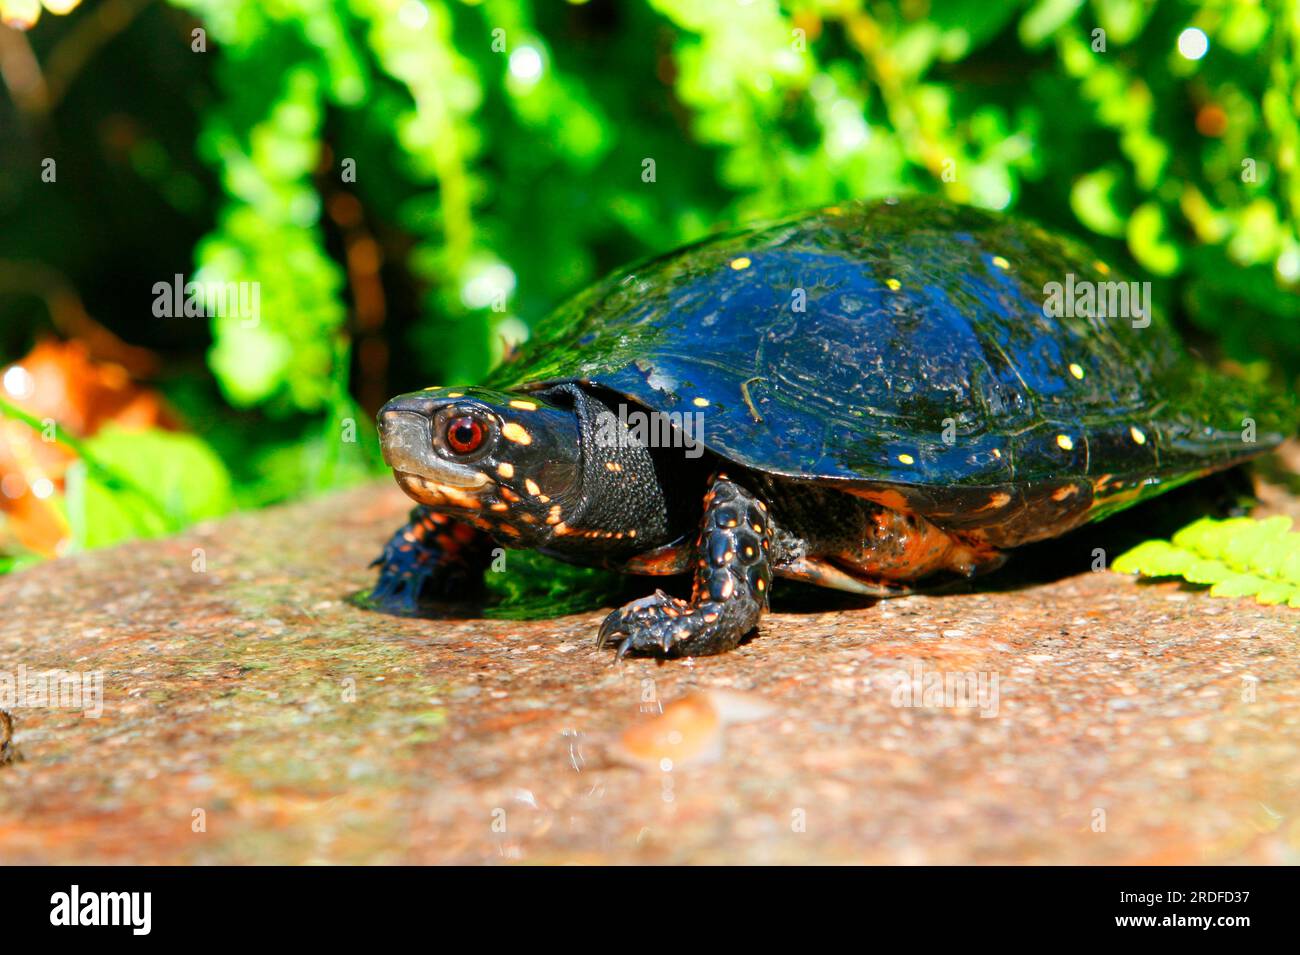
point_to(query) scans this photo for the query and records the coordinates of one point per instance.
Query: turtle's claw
(730, 591)
(611, 626)
(658, 625)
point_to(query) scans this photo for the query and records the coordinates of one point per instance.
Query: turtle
(863, 397)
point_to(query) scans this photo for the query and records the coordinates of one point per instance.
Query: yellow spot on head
(701, 402)
(516, 432)
(523, 405)
(740, 263)
(1001, 262)
(455, 394)
(1137, 435)
(1064, 442)
(1076, 370)
(894, 284)
(906, 459)
(506, 469)
(613, 466)
(532, 487)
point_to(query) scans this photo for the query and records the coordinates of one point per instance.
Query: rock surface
(251, 714)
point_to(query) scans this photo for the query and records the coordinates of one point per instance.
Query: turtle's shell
(902, 348)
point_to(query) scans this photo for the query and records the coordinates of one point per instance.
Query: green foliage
(143, 484)
(534, 587)
(266, 141)
(129, 484)
(1238, 557)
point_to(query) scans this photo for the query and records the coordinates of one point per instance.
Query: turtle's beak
(406, 438)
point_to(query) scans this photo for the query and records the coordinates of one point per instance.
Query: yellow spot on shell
(1137, 435)
(506, 469)
(613, 466)
(455, 394)
(1064, 442)
(740, 263)
(894, 284)
(1001, 262)
(997, 452)
(701, 402)
(523, 405)
(906, 459)
(1101, 267)
(532, 487)
(516, 432)
(1076, 370)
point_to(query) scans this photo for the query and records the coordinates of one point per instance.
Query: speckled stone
(1134, 723)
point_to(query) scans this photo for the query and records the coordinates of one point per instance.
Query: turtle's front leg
(431, 558)
(732, 577)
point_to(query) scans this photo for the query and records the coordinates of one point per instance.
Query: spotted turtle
(860, 397)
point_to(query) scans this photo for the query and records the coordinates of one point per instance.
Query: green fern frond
(1238, 557)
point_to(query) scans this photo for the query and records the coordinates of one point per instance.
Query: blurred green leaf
(175, 480)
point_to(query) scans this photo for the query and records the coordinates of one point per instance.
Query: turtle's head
(508, 464)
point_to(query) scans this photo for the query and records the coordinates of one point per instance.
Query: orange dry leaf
(60, 382)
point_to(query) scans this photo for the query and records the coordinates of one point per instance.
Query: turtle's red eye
(464, 435)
